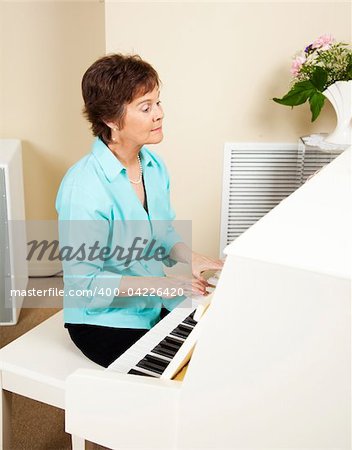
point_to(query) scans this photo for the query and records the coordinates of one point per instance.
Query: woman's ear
(112, 125)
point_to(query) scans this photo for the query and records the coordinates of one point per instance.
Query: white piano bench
(36, 366)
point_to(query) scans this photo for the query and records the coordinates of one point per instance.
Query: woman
(119, 194)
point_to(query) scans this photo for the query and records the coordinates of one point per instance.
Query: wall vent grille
(258, 176)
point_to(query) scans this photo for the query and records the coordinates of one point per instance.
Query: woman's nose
(158, 112)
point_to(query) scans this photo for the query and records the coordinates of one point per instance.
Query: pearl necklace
(140, 173)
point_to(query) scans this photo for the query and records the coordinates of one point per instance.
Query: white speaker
(13, 242)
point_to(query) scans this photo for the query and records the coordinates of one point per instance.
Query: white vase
(340, 96)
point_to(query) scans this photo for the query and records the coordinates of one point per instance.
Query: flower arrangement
(321, 64)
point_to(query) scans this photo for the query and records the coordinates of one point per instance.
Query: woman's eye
(147, 109)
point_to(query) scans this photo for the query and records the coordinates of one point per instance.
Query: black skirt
(105, 344)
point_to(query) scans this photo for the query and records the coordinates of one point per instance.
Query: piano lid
(310, 229)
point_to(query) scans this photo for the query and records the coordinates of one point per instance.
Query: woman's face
(143, 120)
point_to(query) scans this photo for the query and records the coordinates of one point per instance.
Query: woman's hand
(202, 263)
(190, 286)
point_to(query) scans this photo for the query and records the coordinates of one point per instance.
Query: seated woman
(115, 197)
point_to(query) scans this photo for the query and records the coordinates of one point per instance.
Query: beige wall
(221, 63)
(45, 49)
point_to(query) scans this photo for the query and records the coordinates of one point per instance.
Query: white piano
(272, 366)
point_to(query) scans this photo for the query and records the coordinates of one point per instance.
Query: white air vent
(13, 264)
(257, 176)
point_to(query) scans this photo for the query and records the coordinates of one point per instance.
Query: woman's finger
(198, 277)
(201, 289)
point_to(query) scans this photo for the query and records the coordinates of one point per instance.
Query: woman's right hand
(190, 286)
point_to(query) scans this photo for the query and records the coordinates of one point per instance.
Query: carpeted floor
(35, 425)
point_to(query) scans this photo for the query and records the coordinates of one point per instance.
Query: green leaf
(316, 102)
(298, 94)
(319, 78)
(349, 70)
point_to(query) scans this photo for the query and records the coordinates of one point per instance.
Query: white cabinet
(13, 246)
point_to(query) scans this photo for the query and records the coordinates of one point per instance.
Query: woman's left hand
(202, 263)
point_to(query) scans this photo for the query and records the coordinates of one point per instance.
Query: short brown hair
(109, 84)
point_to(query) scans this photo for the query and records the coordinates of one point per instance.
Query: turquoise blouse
(97, 207)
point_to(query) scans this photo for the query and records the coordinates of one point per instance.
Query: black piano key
(137, 372)
(185, 328)
(153, 363)
(174, 343)
(151, 367)
(180, 333)
(164, 351)
(170, 348)
(189, 321)
(156, 360)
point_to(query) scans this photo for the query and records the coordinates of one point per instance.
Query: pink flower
(323, 42)
(297, 63)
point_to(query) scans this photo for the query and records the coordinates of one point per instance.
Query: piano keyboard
(168, 346)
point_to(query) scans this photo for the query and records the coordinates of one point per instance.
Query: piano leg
(5, 418)
(78, 443)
